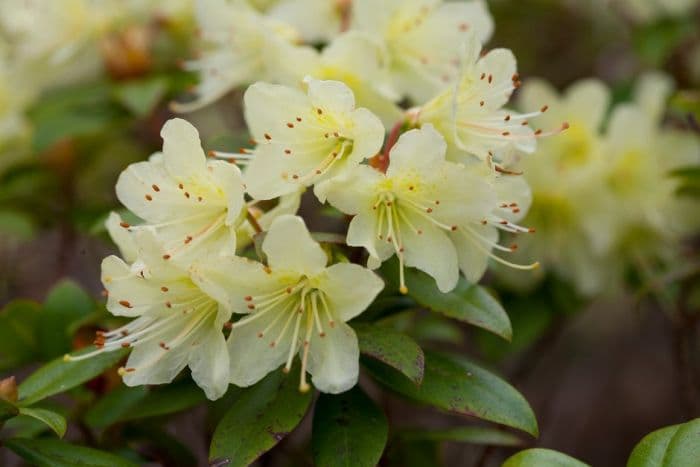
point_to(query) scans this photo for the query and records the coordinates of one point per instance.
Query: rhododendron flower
(322, 25)
(303, 138)
(294, 304)
(176, 325)
(423, 38)
(470, 114)
(241, 47)
(193, 205)
(434, 215)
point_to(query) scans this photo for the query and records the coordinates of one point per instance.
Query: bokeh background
(599, 373)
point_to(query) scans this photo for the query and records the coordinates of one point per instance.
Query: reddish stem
(381, 161)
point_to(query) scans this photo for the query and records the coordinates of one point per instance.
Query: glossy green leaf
(56, 453)
(51, 419)
(460, 386)
(348, 430)
(468, 302)
(466, 434)
(672, 446)
(542, 458)
(165, 400)
(18, 339)
(259, 419)
(393, 348)
(59, 376)
(113, 406)
(66, 303)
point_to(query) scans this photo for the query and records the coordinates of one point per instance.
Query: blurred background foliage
(600, 373)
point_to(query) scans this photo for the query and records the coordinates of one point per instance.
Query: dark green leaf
(8, 410)
(140, 97)
(65, 304)
(414, 453)
(115, 405)
(259, 419)
(466, 434)
(60, 375)
(170, 450)
(542, 458)
(348, 430)
(166, 400)
(676, 445)
(56, 453)
(393, 348)
(468, 302)
(18, 340)
(51, 419)
(457, 385)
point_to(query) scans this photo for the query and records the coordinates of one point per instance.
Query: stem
(381, 161)
(253, 221)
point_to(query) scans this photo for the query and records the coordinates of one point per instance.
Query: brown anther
(490, 79)
(267, 136)
(323, 334)
(525, 123)
(531, 230)
(506, 133)
(125, 225)
(318, 172)
(453, 228)
(125, 345)
(429, 210)
(544, 108)
(565, 126)
(125, 304)
(516, 210)
(260, 335)
(247, 298)
(335, 133)
(513, 247)
(272, 344)
(290, 125)
(319, 111)
(166, 257)
(164, 289)
(463, 27)
(168, 304)
(148, 198)
(181, 186)
(484, 222)
(155, 187)
(298, 119)
(483, 75)
(200, 199)
(481, 103)
(289, 290)
(538, 132)
(251, 306)
(187, 195)
(420, 232)
(295, 176)
(188, 239)
(507, 118)
(287, 151)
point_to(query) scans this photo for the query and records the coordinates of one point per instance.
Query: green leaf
(460, 386)
(140, 97)
(466, 434)
(542, 458)
(60, 375)
(675, 445)
(53, 420)
(468, 302)
(259, 419)
(113, 406)
(56, 453)
(170, 450)
(65, 304)
(348, 430)
(166, 400)
(393, 348)
(18, 340)
(8, 410)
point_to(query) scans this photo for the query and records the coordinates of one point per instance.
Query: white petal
(420, 150)
(351, 192)
(432, 252)
(331, 96)
(363, 232)
(334, 359)
(182, 149)
(229, 178)
(501, 65)
(472, 258)
(253, 357)
(121, 236)
(587, 101)
(289, 247)
(128, 293)
(368, 135)
(209, 362)
(267, 107)
(350, 289)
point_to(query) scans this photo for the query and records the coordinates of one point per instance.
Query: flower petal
(289, 247)
(420, 150)
(209, 362)
(473, 259)
(350, 289)
(229, 178)
(128, 293)
(330, 96)
(121, 236)
(182, 149)
(334, 359)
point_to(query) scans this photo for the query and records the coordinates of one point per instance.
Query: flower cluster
(435, 194)
(603, 194)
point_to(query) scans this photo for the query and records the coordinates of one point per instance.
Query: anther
(125, 304)
(155, 187)
(267, 136)
(247, 298)
(166, 257)
(124, 224)
(290, 125)
(148, 198)
(164, 289)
